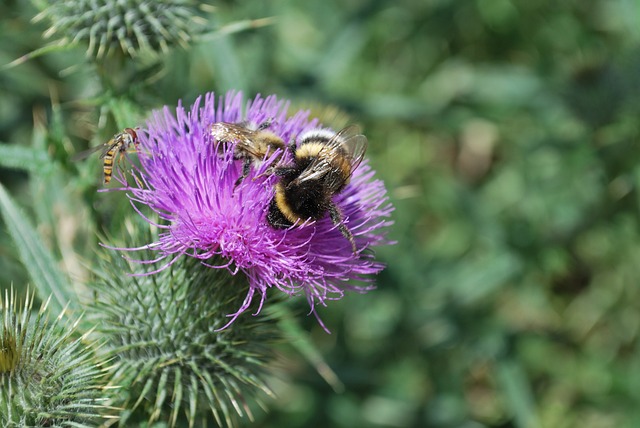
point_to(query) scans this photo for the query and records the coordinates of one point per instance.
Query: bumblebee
(322, 166)
(117, 146)
(252, 145)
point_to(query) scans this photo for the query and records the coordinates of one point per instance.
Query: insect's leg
(282, 171)
(123, 157)
(264, 125)
(120, 162)
(336, 218)
(292, 147)
(246, 168)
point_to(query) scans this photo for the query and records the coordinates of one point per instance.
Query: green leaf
(303, 344)
(518, 393)
(53, 47)
(221, 56)
(237, 27)
(26, 158)
(42, 268)
(125, 112)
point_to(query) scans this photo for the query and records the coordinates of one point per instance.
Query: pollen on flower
(192, 183)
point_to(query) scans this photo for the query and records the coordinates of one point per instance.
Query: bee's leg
(336, 218)
(268, 171)
(264, 125)
(292, 147)
(281, 171)
(246, 168)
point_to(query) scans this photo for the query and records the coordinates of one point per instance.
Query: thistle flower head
(47, 378)
(190, 180)
(170, 365)
(129, 26)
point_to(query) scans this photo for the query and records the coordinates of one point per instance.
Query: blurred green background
(507, 135)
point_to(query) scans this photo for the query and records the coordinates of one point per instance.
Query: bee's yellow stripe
(282, 205)
(309, 150)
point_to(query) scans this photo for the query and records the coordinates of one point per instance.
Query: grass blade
(303, 344)
(518, 393)
(26, 158)
(42, 268)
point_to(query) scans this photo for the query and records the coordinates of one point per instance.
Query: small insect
(117, 146)
(252, 145)
(322, 166)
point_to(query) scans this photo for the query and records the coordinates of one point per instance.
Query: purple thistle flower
(190, 185)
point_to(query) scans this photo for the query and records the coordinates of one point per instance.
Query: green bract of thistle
(47, 378)
(170, 362)
(129, 26)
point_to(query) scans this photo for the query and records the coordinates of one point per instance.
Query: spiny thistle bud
(130, 26)
(47, 378)
(170, 361)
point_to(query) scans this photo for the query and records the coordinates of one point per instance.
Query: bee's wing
(226, 132)
(86, 153)
(235, 133)
(347, 141)
(355, 144)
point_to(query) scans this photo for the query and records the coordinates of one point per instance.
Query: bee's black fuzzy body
(302, 201)
(322, 167)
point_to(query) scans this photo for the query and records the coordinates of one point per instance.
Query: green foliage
(172, 363)
(128, 27)
(47, 378)
(42, 268)
(507, 132)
